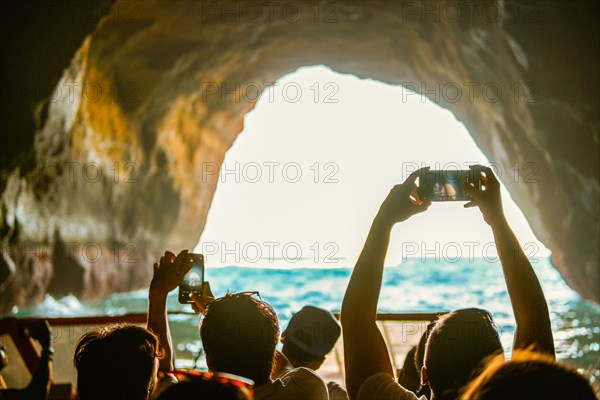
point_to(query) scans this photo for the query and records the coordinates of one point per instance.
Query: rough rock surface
(113, 173)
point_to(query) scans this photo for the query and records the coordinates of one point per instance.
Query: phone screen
(193, 281)
(440, 185)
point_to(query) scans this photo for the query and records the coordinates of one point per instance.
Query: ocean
(414, 286)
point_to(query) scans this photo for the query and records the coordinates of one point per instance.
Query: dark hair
(239, 334)
(116, 362)
(528, 375)
(200, 388)
(409, 377)
(457, 345)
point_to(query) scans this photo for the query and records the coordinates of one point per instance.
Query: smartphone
(193, 281)
(447, 185)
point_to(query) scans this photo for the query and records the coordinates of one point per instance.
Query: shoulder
(384, 386)
(302, 375)
(307, 382)
(336, 391)
(298, 383)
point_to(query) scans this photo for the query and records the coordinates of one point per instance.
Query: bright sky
(319, 153)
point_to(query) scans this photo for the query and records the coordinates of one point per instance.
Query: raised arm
(365, 351)
(39, 387)
(167, 275)
(526, 296)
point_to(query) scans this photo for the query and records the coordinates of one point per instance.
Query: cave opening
(318, 154)
(299, 187)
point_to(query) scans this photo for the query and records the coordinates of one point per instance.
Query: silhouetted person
(310, 335)
(39, 386)
(456, 346)
(239, 333)
(117, 362)
(409, 376)
(528, 376)
(369, 371)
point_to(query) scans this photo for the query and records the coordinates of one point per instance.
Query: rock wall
(158, 89)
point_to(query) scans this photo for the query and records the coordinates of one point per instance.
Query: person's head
(310, 336)
(528, 375)
(239, 334)
(206, 386)
(117, 362)
(456, 347)
(409, 376)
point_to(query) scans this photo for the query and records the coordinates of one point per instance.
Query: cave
(104, 132)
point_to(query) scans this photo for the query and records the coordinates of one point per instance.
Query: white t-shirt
(336, 392)
(382, 386)
(297, 384)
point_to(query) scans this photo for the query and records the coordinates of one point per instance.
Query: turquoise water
(415, 286)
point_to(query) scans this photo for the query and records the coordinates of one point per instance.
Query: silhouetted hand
(403, 200)
(169, 272)
(488, 200)
(40, 331)
(200, 303)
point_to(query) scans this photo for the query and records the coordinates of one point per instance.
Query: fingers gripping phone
(193, 281)
(447, 185)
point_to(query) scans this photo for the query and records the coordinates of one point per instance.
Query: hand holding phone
(200, 302)
(193, 281)
(168, 273)
(402, 202)
(488, 198)
(448, 185)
